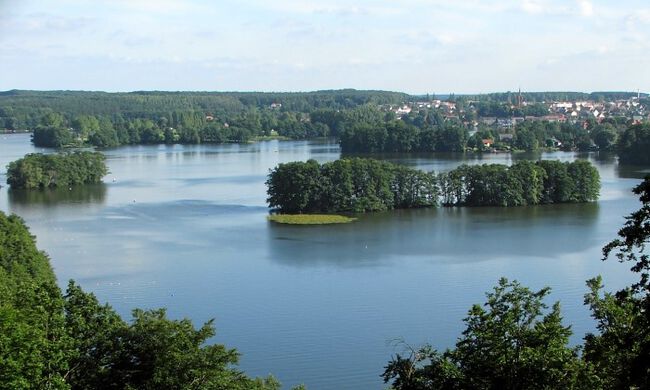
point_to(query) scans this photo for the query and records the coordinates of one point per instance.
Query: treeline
(398, 136)
(193, 127)
(558, 96)
(51, 340)
(516, 341)
(370, 130)
(363, 185)
(523, 183)
(21, 110)
(38, 170)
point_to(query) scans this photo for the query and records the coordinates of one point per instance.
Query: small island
(310, 219)
(360, 185)
(37, 170)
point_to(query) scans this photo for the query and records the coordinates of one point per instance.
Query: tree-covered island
(361, 185)
(38, 170)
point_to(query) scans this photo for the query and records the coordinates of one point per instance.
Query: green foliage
(621, 348)
(50, 341)
(558, 185)
(604, 137)
(295, 186)
(52, 132)
(509, 97)
(74, 118)
(634, 145)
(523, 183)
(361, 185)
(511, 342)
(349, 185)
(586, 181)
(56, 170)
(526, 140)
(396, 136)
(33, 344)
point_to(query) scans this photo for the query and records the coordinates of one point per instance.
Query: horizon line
(317, 90)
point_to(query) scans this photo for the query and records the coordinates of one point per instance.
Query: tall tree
(621, 348)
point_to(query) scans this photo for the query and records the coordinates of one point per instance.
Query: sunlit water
(184, 227)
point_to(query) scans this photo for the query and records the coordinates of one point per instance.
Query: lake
(184, 227)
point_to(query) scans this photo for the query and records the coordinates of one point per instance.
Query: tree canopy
(349, 185)
(634, 145)
(513, 342)
(621, 347)
(37, 170)
(361, 185)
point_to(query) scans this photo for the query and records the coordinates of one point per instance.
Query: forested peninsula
(37, 170)
(359, 185)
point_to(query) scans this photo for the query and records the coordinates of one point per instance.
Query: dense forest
(38, 170)
(362, 185)
(24, 109)
(55, 340)
(538, 97)
(515, 341)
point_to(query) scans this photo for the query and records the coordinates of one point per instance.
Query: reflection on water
(605, 157)
(90, 193)
(442, 235)
(632, 171)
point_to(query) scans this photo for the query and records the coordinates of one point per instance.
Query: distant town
(502, 118)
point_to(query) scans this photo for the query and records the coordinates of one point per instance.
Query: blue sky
(415, 46)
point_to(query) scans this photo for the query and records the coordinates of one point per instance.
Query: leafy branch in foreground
(53, 341)
(513, 342)
(621, 350)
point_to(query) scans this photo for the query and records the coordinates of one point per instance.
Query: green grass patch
(310, 219)
(269, 138)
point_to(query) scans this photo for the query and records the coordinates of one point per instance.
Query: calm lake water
(184, 227)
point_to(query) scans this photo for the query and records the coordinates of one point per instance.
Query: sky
(413, 46)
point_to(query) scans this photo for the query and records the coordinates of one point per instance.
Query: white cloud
(586, 8)
(157, 6)
(533, 7)
(447, 45)
(637, 17)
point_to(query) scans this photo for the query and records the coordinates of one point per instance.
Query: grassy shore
(310, 219)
